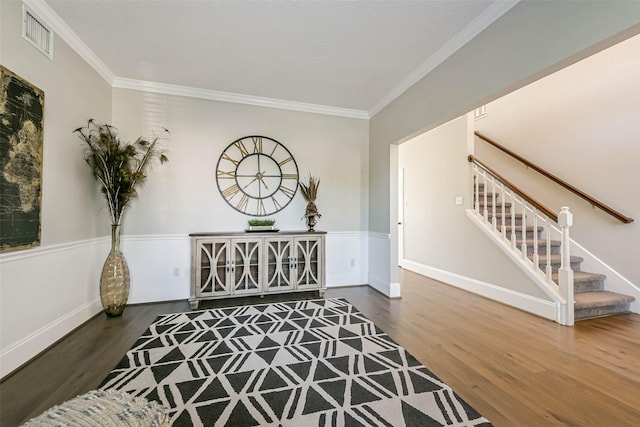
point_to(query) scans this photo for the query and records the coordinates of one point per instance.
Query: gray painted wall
(49, 290)
(530, 41)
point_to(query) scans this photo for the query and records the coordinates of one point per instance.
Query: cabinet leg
(321, 292)
(194, 304)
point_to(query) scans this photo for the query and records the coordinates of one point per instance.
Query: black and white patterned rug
(303, 363)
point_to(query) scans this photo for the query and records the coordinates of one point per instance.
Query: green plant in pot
(119, 168)
(310, 193)
(258, 224)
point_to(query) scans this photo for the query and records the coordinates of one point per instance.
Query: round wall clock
(257, 175)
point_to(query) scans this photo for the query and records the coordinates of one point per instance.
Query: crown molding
(214, 95)
(482, 21)
(491, 14)
(60, 28)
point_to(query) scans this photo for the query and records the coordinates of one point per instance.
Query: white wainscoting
(347, 258)
(380, 264)
(160, 265)
(540, 307)
(45, 293)
(49, 291)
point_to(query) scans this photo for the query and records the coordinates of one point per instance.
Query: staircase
(590, 297)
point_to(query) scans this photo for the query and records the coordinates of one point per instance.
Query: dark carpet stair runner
(591, 298)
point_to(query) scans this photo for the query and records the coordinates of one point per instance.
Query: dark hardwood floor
(514, 368)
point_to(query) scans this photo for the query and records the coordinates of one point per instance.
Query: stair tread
(490, 202)
(582, 276)
(519, 227)
(499, 213)
(555, 258)
(541, 242)
(600, 299)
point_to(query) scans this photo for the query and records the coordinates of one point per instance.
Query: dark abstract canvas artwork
(21, 140)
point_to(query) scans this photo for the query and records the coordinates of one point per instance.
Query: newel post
(565, 273)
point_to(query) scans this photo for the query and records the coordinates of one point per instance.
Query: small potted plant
(261, 224)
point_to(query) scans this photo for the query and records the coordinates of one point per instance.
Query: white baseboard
(380, 285)
(351, 285)
(46, 293)
(394, 290)
(30, 346)
(537, 306)
(379, 277)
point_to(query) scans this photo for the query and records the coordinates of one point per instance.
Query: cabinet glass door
(279, 265)
(245, 266)
(211, 275)
(308, 253)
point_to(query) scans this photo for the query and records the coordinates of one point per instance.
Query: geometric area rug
(303, 363)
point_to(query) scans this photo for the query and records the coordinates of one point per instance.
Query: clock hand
(262, 181)
(257, 178)
(250, 182)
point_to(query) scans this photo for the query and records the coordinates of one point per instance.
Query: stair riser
(555, 248)
(529, 234)
(542, 248)
(507, 208)
(588, 286)
(490, 191)
(575, 266)
(489, 197)
(507, 219)
(609, 310)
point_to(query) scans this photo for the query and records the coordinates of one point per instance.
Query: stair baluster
(494, 219)
(524, 232)
(536, 257)
(549, 269)
(503, 223)
(514, 238)
(486, 211)
(476, 182)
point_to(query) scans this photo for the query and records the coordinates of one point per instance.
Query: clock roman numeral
(244, 201)
(257, 144)
(287, 191)
(261, 209)
(285, 161)
(230, 192)
(226, 157)
(277, 205)
(226, 175)
(289, 176)
(243, 150)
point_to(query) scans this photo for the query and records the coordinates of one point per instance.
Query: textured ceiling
(347, 54)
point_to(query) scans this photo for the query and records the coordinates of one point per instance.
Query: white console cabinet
(225, 265)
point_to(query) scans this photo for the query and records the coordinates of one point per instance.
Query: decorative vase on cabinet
(114, 280)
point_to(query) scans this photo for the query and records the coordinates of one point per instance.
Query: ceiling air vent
(36, 33)
(480, 112)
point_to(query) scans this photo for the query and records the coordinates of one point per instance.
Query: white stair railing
(538, 238)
